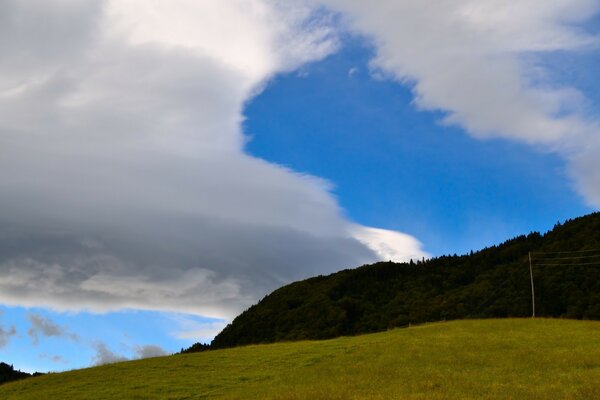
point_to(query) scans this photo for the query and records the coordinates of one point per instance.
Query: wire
(568, 258)
(566, 264)
(496, 290)
(487, 300)
(565, 252)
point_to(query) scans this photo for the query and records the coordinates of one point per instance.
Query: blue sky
(397, 168)
(76, 345)
(229, 148)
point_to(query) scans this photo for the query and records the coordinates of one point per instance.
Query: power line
(532, 289)
(556, 262)
(566, 264)
(565, 252)
(568, 258)
(491, 298)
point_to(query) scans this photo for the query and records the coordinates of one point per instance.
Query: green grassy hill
(471, 359)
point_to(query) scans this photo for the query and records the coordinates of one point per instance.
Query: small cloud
(190, 328)
(41, 326)
(352, 72)
(6, 334)
(105, 356)
(54, 358)
(390, 245)
(202, 331)
(149, 351)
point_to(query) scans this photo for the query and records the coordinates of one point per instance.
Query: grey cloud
(5, 335)
(149, 351)
(41, 326)
(105, 356)
(43, 38)
(54, 358)
(123, 181)
(169, 269)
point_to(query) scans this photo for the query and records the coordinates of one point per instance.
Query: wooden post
(532, 289)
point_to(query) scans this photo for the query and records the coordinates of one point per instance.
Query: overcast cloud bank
(123, 177)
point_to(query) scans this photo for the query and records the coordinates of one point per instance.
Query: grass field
(473, 359)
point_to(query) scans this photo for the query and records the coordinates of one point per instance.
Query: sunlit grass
(473, 359)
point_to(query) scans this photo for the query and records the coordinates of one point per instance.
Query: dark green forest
(491, 283)
(8, 373)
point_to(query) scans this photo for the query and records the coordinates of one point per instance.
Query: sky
(165, 165)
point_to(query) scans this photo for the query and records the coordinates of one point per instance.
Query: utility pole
(532, 290)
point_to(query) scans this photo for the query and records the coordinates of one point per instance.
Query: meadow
(468, 359)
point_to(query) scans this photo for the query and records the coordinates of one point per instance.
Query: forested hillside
(8, 373)
(493, 282)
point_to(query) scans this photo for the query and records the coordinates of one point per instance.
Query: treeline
(491, 283)
(195, 348)
(9, 373)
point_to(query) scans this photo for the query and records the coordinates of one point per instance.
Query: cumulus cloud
(481, 62)
(40, 326)
(106, 356)
(123, 177)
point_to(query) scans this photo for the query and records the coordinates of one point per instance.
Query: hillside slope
(492, 359)
(493, 282)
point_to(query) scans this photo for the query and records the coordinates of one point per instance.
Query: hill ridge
(492, 282)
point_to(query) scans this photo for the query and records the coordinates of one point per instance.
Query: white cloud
(254, 37)
(585, 169)
(390, 245)
(123, 181)
(106, 356)
(148, 351)
(190, 328)
(479, 61)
